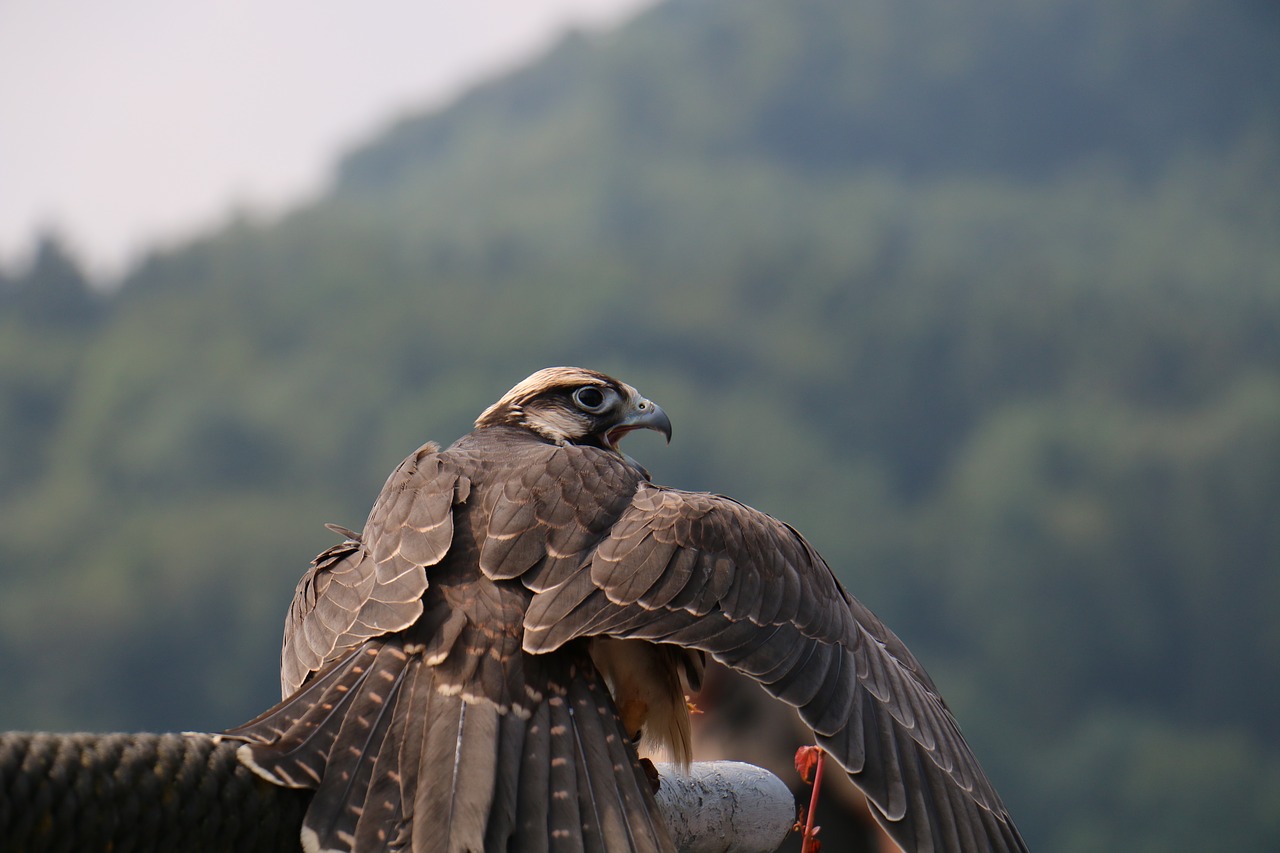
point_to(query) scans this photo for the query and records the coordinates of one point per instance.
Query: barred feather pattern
(472, 670)
(385, 737)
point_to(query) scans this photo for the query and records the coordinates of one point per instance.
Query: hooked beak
(643, 414)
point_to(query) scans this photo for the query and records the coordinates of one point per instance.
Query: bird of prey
(477, 668)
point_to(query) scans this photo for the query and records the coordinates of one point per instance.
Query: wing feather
(372, 584)
(706, 572)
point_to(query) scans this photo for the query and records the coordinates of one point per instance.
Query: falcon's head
(570, 405)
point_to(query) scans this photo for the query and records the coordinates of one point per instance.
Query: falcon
(524, 611)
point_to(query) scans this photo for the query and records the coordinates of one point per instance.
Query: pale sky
(133, 123)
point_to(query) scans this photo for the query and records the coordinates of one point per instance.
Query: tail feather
(588, 760)
(504, 811)
(346, 812)
(431, 788)
(475, 766)
(606, 780)
(290, 743)
(535, 782)
(384, 824)
(565, 825)
(455, 786)
(401, 758)
(410, 732)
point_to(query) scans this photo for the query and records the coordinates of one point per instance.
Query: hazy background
(128, 124)
(983, 296)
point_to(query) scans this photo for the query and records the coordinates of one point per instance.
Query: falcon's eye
(590, 399)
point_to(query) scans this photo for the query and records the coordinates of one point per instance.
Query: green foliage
(1228, 804)
(984, 297)
(47, 310)
(1143, 529)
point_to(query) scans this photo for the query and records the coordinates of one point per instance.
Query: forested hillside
(982, 296)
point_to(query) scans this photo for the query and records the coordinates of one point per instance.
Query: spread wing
(373, 584)
(706, 572)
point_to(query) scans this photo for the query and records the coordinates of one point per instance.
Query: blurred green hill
(982, 296)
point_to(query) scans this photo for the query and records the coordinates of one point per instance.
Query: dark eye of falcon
(591, 399)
